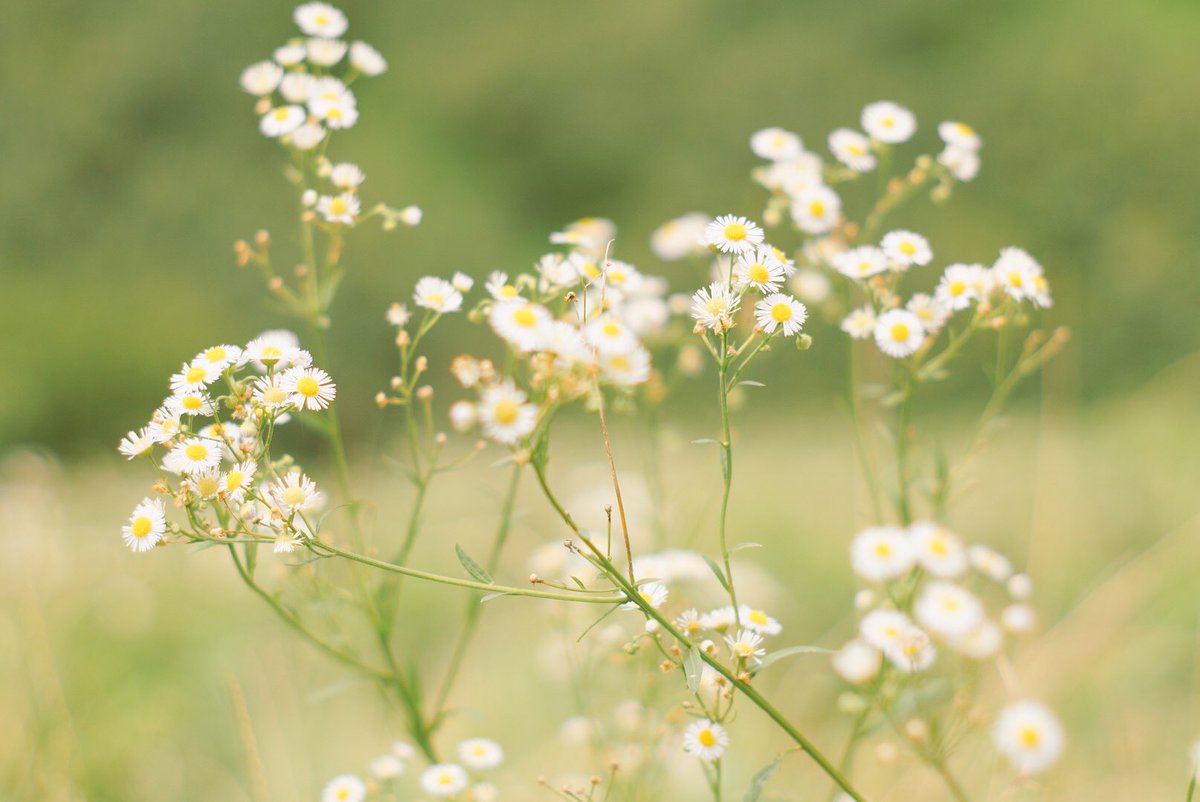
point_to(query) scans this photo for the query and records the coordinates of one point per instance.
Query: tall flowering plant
(588, 334)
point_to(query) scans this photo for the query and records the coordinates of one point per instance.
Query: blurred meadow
(133, 163)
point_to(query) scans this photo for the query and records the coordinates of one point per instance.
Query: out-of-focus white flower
(505, 416)
(681, 237)
(881, 553)
(989, 562)
(344, 788)
(325, 52)
(480, 754)
(367, 59)
(816, 210)
(776, 144)
(860, 323)
(343, 208)
(852, 149)
(938, 550)
(1029, 735)
(280, 121)
(888, 122)
(444, 779)
(1018, 618)
(905, 249)
(320, 19)
(437, 294)
(947, 610)
(959, 135)
(962, 163)
(857, 662)
(861, 262)
(262, 78)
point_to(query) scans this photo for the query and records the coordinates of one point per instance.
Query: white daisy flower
(645, 314)
(899, 333)
(146, 526)
(1029, 735)
(962, 163)
(556, 271)
(193, 455)
(860, 263)
(888, 122)
(811, 286)
(912, 651)
(759, 621)
(1016, 273)
(238, 480)
(1041, 292)
(294, 493)
(522, 323)
(746, 645)
(592, 234)
(905, 249)
(653, 593)
(929, 310)
(165, 422)
(1018, 618)
(270, 392)
(261, 79)
(342, 208)
(276, 348)
(325, 52)
(480, 754)
(137, 444)
(504, 415)
(760, 268)
(780, 311)
(346, 176)
(705, 739)
(308, 388)
(205, 484)
(306, 137)
(857, 662)
(732, 234)
(989, 562)
(792, 177)
(462, 282)
(720, 619)
(463, 416)
(344, 788)
(621, 276)
(714, 306)
(437, 294)
(884, 628)
(444, 779)
(194, 403)
(411, 215)
(959, 135)
(860, 323)
(397, 315)
(626, 369)
(609, 335)
(881, 553)
(289, 55)
(499, 287)
(320, 19)
(566, 344)
(297, 87)
(386, 767)
(776, 144)
(816, 210)
(852, 149)
(959, 286)
(689, 623)
(938, 550)
(403, 750)
(367, 59)
(194, 377)
(218, 357)
(282, 120)
(680, 238)
(983, 643)
(947, 610)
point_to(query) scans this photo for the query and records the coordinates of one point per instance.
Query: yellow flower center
(507, 291)
(883, 550)
(957, 288)
(717, 307)
(1030, 737)
(908, 247)
(706, 737)
(196, 452)
(337, 205)
(758, 274)
(271, 353)
(293, 496)
(758, 617)
(274, 395)
(307, 386)
(616, 277)
(816, 208)
(435, 299)
(899, 332)
(334, 113)
(939, 547)
(525, 317)
(610, 329)
(1014, 278)
(887, 122)
(506, 412)
(191, 402)
(215, 354)
(742, 649)
(855, 149)
(141, 526)
(735, 232)
(207, 486)
(234, 479)
(445, 779)
(964, 129)
(322, 20)
(619, 363)
(195, 374)
(781, 313)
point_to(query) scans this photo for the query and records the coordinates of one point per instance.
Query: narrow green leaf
(760, 779)
(693, 667)
(593, 625)
(750, 383)
(706, 441)
(473, 568)
(791, 651)
(747, 545)
(716, 571)
(487, 597)
(251, 551)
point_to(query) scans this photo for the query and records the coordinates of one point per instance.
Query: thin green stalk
(726, 471)
(860, 442)
(320, 545)
(474, 608)
(669, 627)
(1191, 791)
(903, 422)
(956, 790)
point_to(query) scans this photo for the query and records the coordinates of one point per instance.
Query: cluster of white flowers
(750, 265)
(920, 599)
(438, 780)
(224, 463)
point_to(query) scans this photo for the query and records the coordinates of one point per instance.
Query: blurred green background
(132, 163)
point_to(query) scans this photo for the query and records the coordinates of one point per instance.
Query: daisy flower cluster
(210, 441)
(927, 597)
(463, 781)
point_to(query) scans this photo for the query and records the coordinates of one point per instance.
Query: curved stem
(726, 472)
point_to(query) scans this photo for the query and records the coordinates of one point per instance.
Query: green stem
(322, 546)
(474, 608)
(1191, 791)
(903, 422)
(860, 442)
(726, 471)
